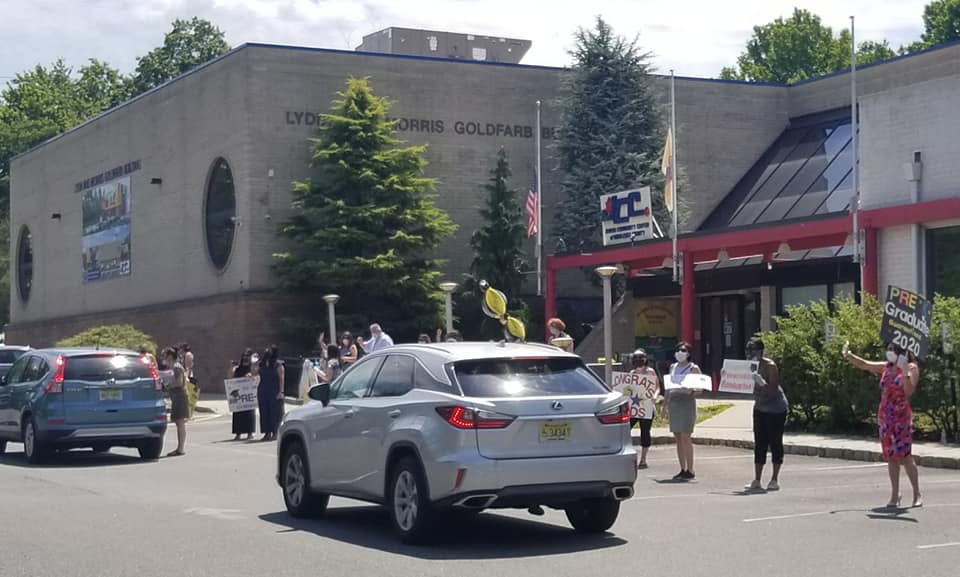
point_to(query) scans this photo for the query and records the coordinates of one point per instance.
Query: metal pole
(607, 331)
(675, 176)
(333, 322)
(448, 298)
(855, 200)
(539, 251)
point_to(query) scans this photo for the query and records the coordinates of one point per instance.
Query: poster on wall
(906, 321)
(656, 318)
(625, 216)
(105, 241)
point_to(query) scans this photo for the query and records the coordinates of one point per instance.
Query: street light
(448, 288)
(606, 272)
(332, 300)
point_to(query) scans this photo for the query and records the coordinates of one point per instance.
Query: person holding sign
(244, 422)
(770, 409)
(899, 376)
(682, 404)
(646, 407)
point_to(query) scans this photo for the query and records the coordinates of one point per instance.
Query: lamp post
(606, 273)
(332, 300)
(448, 288)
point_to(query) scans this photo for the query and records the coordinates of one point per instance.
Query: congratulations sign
(737, 376)
(906, 321)
(241, 393)
(625, 216)
(638, 388)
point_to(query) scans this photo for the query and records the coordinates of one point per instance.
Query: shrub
(111, 337)
(936, 394)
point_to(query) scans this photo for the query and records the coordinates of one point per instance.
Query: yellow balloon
(515, 327)
(496, 301)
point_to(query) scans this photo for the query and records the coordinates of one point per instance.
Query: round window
(25, 263)
(220, 213)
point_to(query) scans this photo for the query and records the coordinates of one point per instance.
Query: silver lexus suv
(432, 429)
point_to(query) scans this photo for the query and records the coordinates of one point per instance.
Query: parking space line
(939, 545)
(840, 467)
(698, 459)
(793, 516)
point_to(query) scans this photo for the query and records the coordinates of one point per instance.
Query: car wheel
(150, 450)
(593, 515)
(301, 502)
(409, 503)
(34, 449)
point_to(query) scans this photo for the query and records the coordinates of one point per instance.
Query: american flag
(531, 209)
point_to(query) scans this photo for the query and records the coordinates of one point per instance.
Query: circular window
(220, 213)
(25, 263)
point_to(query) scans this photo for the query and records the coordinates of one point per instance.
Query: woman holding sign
(770, 409)
(682, 404)
(244, 422)
(646, 407)
(899, 376)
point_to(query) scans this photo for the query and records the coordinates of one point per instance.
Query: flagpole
(539, 249)
(674, 176)
(855, 201)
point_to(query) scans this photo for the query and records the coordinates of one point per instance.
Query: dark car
(60, 399)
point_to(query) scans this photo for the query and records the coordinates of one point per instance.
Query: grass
(703, 413)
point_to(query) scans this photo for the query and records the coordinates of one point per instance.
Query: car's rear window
(10, 356)
(526, 378)
(105, 367)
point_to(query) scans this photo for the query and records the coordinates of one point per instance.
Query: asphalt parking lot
(217, 511)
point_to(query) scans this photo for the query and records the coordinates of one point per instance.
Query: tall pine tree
(498, 252)
(611, 134)
(365, 227)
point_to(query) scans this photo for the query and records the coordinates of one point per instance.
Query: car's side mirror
(320, 393)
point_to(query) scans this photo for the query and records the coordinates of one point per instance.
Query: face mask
(554, 331)
(640, 363)
(346, 342)
(682, 356)
(891, 357)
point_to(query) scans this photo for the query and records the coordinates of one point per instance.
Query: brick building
(170, 202)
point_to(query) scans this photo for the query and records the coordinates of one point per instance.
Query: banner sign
(241, 393)
(105, 237)
(701, 382)
(656, 318)
(906, 321)
(625, 216)
(737, 376)
(637, 388)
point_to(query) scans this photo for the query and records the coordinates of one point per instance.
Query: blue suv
(60, 399)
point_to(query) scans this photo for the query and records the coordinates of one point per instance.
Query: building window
(479, 53)
(25, 263)
(803, 295)
(220, 213)
(433, 43)
(943, 245)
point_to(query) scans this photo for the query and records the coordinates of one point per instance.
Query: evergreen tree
(498, 252)
(611, 134)
(366, 225)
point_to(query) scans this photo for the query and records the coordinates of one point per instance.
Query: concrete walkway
(734, 428)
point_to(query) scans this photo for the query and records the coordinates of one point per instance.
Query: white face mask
(682, 356)
(891, 357)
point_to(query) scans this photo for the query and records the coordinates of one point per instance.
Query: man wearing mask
(378, 340)
(557, 328)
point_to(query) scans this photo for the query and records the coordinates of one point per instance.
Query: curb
(814, 451)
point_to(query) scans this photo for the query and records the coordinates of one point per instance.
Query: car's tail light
(157, 383)
(616, 415)
(55, 385)
(464, 418)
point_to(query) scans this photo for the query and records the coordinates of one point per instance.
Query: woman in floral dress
(899, 376)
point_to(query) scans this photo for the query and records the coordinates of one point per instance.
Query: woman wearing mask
(244, 422)
(770, 409)
(557, 328)
(899, 377)
(647, 406)
(178, 398)
(349, 352)
(682, 404)
(270, 393)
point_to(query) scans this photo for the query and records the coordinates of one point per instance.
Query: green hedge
(828, 394)
(111, 337)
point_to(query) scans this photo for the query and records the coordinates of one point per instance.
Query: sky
(692, 37)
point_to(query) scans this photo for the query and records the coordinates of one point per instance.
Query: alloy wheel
(405, 500)
(294, 483)
(29, 440)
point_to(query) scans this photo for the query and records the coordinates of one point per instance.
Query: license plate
(111, 395)
(550, 432)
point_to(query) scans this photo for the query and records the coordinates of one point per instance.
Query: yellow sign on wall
(656, 318)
